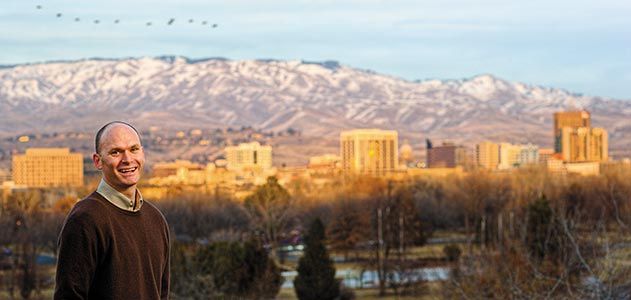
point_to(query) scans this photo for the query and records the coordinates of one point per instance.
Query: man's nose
(125, 156)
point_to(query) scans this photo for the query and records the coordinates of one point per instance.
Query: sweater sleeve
(77, 257)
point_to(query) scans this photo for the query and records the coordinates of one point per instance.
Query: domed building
(405, 153)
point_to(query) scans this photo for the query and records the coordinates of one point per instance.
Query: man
(114, 245)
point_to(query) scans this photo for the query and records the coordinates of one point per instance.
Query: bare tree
(30, 228)
(269, 210)
(349, 225)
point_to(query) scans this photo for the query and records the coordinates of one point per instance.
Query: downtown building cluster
(578, 148)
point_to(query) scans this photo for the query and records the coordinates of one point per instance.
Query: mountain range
(319, 99)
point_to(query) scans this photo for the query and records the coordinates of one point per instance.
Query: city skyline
(579, 148)
(540, 43)
(373, 152)
(245, 154)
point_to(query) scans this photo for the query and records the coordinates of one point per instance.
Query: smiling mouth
(127, 170)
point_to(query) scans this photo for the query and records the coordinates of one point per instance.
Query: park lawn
(433, 251)
(433, 292)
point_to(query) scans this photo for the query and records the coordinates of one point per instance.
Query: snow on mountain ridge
(273, 94)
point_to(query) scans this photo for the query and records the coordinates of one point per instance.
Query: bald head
(103, 131)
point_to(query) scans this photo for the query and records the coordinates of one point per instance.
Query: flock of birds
(169, 22)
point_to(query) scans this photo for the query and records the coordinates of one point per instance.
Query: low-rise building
(583, 168)
(487, 155)
(325, 164)
(447, 155)
(554, 164)
(5, 175)
(508, 156)
(165, 169)
(249, 156)
(545, 154)
(434, 172)
(528, 155)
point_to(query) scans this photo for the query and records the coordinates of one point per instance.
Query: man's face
(120, 157)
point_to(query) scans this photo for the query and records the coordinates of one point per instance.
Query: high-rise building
(448, 155)
(584, 144)
(487, 155)
(48, 167)
(572, 119)
(369, 151)
(251, 156)
(598, 145)
(576, 141)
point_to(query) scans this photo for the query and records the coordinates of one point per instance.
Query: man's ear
(96, 158)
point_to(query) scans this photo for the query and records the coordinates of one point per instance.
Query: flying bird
(171, 21)
(58, 15)
(204, 23)
(190, 20)
(39, 7)
(148, 23)
(116, 21)
(77, 19)
(96, 21)
(215, 25)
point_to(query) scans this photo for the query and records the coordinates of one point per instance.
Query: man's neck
(131, 200)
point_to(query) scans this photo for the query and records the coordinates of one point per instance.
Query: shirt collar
(117, 198)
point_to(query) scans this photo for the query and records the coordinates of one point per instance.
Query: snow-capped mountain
(320, 99)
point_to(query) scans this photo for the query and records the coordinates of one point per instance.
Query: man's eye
(114, 153)
(134, 150)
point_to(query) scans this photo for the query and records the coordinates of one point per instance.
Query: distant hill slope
(320, 99)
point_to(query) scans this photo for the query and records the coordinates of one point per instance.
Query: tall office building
(48, 167)
(584, 144)
(447, 155)
(598, 145)
(369, 151)
(249, 156)
(487, 155)
(572, 119)
(576, 140)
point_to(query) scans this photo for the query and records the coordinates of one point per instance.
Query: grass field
(433, 292)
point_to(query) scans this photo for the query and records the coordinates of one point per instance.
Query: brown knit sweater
(109, 253)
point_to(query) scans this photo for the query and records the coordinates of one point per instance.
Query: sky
(580, 46)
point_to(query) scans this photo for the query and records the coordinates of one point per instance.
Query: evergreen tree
(316, 273)
(541, 235)
(242, 270)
